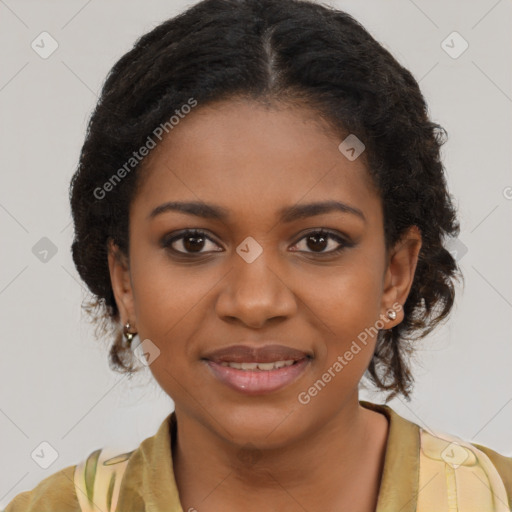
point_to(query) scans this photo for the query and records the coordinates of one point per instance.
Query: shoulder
(99, 476)
(442, 470)
(72, 489)
(503, 465)
(55, 492)
(112, 478)
(470, 471)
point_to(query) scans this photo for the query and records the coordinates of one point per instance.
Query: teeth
(259, 366)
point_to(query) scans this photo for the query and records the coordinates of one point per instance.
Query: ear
(402, 261)
(121, 283)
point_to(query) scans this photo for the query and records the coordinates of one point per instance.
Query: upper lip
(248, 354)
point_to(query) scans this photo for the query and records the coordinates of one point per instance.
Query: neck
(323, 467)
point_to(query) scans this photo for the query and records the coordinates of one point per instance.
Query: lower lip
(256, 382)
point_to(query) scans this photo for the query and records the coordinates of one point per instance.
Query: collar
(400, 476)
(149, 481)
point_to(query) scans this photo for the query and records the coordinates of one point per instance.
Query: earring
(392, 314)
(128, 335)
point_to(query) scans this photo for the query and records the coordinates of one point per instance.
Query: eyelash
(167, 243)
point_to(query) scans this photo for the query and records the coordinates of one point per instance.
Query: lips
(248, 354)
(257, 370)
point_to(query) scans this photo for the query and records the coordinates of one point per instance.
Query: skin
(266, 452)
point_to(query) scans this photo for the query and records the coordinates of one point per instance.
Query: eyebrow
(286, 214)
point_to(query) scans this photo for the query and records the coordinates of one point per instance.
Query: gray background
(55, 384)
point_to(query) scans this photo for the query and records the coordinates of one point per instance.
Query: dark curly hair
(293, 51)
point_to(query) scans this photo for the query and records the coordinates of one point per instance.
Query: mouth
(260, 370)
(264, 367)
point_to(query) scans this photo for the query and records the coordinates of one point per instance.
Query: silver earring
(392, 314)
(127, 334)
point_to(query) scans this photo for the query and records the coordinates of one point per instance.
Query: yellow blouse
(422, 473)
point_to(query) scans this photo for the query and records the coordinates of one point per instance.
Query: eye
(191, 241)
(320, 239)
(194, 241)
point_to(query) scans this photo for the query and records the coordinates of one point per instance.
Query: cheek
(173, 307)
(164, 292)
(161, 300)
(168, 306)
(347, 306)
(347, 299)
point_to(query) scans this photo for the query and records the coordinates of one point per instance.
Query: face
(264, 276)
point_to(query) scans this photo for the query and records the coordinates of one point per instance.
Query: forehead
(244, 155)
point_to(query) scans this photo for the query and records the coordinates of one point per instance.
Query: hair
(290, 51)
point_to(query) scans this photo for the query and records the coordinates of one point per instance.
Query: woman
(260, 203)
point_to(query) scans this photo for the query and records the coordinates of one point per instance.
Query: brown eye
(318, 241)
(190, 242)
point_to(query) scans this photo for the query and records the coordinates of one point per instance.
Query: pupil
(197, 243)
(318, 239)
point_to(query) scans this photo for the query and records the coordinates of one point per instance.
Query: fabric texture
(465, 477)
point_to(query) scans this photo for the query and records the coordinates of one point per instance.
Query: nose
(254, 293)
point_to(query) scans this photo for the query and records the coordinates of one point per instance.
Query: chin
(264, 427)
